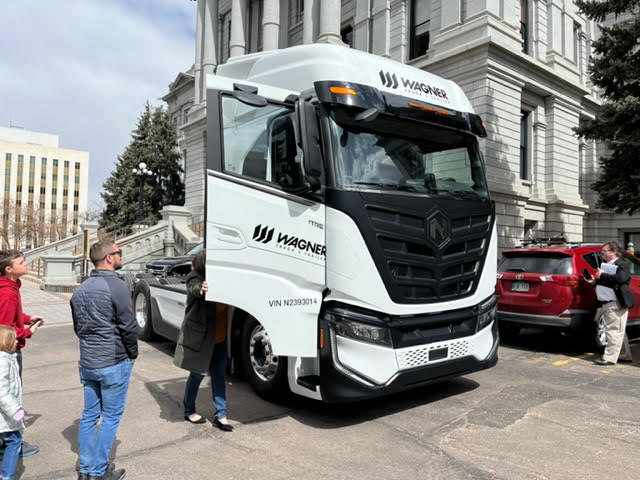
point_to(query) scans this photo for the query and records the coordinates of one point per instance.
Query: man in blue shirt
(104, 322)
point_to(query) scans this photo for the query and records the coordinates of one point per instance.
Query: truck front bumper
(352, 370)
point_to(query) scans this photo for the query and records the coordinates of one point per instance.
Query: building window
(225, 36)
(32, 160)
(420, 24)
(30, 188)
(75, 208)
(55, 162)
(346, 33)
(54, 178)
(18, 188)
(576, 41)
(7, 158)
(20, 159)
(53, 206)
(296, 11)
(77, 166)
(525, 145)
(54, 191)
(524, 25)
(43, 161)
(42, 190)
(66, 164)
(76, 179)
(76, 194)
(43, 175)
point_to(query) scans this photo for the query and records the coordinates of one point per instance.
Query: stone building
(522, 63)
(44, 189)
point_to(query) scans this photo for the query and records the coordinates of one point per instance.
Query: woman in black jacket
(202, 347)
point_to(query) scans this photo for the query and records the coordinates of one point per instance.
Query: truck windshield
(408, 156)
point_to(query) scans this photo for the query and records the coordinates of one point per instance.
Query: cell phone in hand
(586, 274)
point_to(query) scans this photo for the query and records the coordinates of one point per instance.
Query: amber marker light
(321, 338)
(414, 105)
(342, 90)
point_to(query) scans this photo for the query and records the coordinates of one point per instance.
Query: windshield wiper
(390, 186)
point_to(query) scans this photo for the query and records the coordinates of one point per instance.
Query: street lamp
(142, 172)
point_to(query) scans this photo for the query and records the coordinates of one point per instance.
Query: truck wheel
(142, 310)
(266, 372)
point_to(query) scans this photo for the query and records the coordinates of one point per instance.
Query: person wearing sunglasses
(613, 292)
(105, 324)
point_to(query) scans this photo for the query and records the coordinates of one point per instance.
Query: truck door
(265, 239)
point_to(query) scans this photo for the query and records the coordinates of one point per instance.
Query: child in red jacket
(12, 267)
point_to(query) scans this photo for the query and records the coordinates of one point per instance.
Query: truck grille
(419, 356)
(419, 270)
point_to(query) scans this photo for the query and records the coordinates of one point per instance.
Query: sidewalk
(54, 307)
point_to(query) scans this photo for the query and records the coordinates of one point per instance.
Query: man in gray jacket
(104, 322)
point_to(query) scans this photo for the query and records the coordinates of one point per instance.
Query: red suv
(543, 286)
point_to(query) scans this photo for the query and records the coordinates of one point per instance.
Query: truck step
(310, 382)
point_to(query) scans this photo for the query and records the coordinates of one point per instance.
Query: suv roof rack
(542, 241)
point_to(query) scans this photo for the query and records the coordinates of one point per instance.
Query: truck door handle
(228, 235)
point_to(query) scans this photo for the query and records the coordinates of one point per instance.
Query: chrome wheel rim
(601, 332)
(263, 361)
(141, 310)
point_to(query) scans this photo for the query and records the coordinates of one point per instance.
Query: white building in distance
(522, 63)
(44, 188)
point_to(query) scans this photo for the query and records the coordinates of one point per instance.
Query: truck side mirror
(309, 141)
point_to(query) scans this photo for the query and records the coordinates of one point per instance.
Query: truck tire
(142, 310)
(266, 373)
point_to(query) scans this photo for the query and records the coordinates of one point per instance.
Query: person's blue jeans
(217, 369)
(12, 444)
(105, 392)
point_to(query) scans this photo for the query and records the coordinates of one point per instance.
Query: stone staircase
(61, 265)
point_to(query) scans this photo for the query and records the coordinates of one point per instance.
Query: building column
(198, 63)
(361, 30)
(307, 25)
(330, 21)
(209, 49)
(238, 43)
(270, 24)
(381, 13)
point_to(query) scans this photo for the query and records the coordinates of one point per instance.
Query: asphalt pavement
(544, 412)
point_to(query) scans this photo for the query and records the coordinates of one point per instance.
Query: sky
(83, 69)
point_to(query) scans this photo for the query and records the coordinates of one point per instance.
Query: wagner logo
(289, 242)
(388, 80)
(262, 234)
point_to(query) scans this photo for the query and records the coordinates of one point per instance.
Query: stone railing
(61, 270)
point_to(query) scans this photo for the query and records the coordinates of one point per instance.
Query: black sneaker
(28, 449)
(110, 475)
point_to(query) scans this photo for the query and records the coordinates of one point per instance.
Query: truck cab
(348, 222)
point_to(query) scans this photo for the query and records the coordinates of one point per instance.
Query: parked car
(173, 266)
(543, 286)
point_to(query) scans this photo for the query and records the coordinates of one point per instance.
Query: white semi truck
(348, 222)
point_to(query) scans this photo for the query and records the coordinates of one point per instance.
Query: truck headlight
(487, 312)
(347, 324)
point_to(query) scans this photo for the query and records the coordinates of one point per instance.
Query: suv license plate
(520, 287)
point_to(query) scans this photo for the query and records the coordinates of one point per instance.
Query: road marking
(537, 359)
(559, 363)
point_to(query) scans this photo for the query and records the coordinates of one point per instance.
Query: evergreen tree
(153, 142)
(615, 69)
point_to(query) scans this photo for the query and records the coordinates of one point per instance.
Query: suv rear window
(539, 262)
